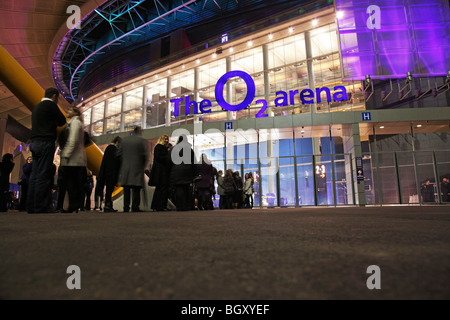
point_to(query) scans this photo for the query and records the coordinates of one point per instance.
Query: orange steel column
(30, 93)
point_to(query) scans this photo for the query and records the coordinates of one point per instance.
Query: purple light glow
(385, 38)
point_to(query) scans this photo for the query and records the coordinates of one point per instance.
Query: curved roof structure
(37, 34)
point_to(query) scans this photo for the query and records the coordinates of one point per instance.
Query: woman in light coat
(73, 160)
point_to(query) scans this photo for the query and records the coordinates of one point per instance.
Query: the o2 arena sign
(306, 96)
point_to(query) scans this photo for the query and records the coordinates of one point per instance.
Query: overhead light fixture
(340, 14)
(367, 81)
(419, 125)
(291, 29)
(249, 43)
(270, 36)
(381, 127)
(315, 22)
(409, 77)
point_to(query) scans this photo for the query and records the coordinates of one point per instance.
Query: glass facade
(292, 165)
(285, 60)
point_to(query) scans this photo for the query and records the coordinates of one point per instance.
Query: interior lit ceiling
(27, 29)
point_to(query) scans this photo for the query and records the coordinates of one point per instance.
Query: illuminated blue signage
(282, 98)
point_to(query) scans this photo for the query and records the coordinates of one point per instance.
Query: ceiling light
(270, 36)
(419, 125)
(249, 43)
(381, 127)
(339, 14)
(291, 29)
(231, 49)
(315, 22)
(198, 60)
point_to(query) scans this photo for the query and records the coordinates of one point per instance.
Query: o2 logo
(374, 19)
(282, 98)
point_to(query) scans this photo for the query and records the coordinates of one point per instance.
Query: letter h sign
(366, 116)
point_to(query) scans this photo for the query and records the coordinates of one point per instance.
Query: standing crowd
(180, 182)
(189, 185)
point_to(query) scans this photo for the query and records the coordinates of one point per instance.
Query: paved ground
(260, 254)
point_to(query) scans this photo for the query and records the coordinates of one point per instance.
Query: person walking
(160, 173)
(73, 160)
(238, 193)
(45, 117)
(205, 186)
(24, 181)
(220, 189)
(6, 167)
(182, 173)
(251, 190)
(229, 186)
(109, 173)
(99, 193)
(133, 151)
(87, 191)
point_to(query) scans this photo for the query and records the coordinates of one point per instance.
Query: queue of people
(190, 185)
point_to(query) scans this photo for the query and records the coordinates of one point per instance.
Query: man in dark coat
(6, 167)
(133, 151)
(182, 174)
(427, 191)
(206, 184)
(45, 117)
(160, 172)
(109, 171)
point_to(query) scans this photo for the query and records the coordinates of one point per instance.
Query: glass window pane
(287, 51)
(324, 181)
(98, 112)
(305, 181)
(97, 128)
(114, 105)
(343, 178)
(133, 118)
(113, 124)
(386, 181)
(156, 103)
(287, 181)
(425, 172)
(210, 73)
(443, 167)
(250, 61)
(134, 99)
(324, 40)
(87, 117)
(407, 176)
